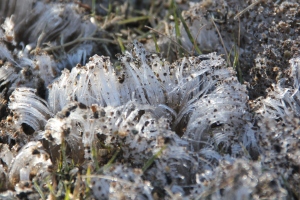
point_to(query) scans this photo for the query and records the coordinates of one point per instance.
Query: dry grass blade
(246, 9)
(111, 178)
(77, 40)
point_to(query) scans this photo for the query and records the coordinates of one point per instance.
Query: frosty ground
(149, 99)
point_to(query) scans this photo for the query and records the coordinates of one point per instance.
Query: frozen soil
(119, 100)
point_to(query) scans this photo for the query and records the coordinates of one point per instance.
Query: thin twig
(227, 56)
(103, 7)
(107, 178)
(79, 40)
(246, 9)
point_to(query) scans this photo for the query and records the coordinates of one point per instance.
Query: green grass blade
(186, 28)
(121, 44)
(109, 163)
(132, 20)
(67, 190)
(93, 8)
(151, 160)
(156, 45)
(109, 8)
(236, 65)
(177, 29)
(95, 157)
(38, 189)
(88, 179)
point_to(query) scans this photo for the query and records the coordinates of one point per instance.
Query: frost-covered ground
(201, 100)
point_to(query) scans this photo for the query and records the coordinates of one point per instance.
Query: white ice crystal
(7, 74)
(140, 107)
(8, 27)
(143, 128)
(281, 98)
(238, 180)
(279, 136)
(29, 108)
(31, 161)
(121, 182)
(48, 21)
(201, 90)
(6, 155)
(205, 19)
(5, 53)
(31, 35)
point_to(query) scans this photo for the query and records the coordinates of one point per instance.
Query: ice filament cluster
(139, 128)
(142, 106)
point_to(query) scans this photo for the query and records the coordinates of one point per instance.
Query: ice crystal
(121, 182)
(238, 180)
(29, 108)
(279, 123)
(31, 161)
(144, 128)
(98, 104)
(51, 25)
(220, 110)
(6, 155)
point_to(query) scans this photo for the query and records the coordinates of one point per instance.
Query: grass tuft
(177, 29)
